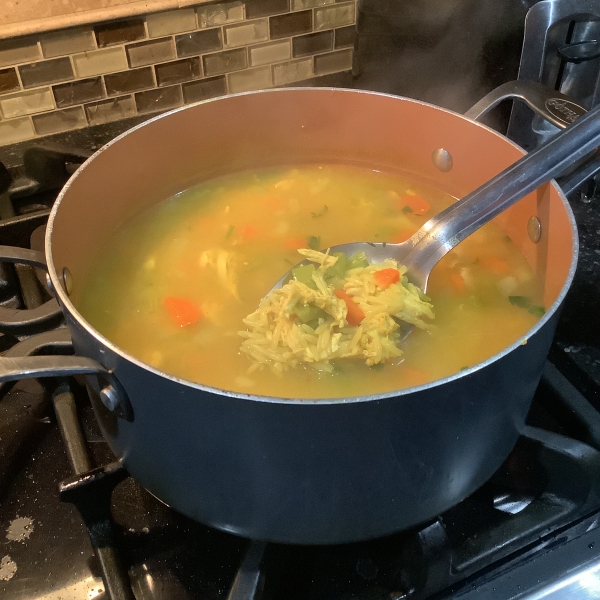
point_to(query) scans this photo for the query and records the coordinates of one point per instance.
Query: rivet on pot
(67, 280)
(534, 229)
(109, 397)
(442, 159)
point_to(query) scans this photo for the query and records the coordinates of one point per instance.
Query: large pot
(302, 471)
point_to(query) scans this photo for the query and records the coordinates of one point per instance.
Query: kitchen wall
(105, 71)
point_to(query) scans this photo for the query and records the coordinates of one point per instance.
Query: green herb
(289, 262)
(383, 244)
(407, 209)
(463, 369)
(314, 242)
(525, 302)
(229, 232)
(320, 213)
(520, 301)
(377, 366)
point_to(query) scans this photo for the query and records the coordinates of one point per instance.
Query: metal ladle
(440, 234)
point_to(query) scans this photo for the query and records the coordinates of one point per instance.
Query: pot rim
(68, 306)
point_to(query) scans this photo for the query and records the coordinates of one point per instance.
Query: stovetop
(536, 521)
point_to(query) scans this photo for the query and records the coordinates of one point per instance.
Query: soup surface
(172, 286)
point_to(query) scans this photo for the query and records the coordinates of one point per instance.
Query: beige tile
(59, 120)
(16, 130)
(173, 21)
(247, 33)
(26, 103)
(333, 62)
(98, 62)
(334, 16)
(250, 79)
(295, 70)
(267, 54)
(300, 4)
(225, 62)
(110, 110)
(147, 53)
(16, 51)
(68, 41)
(220, 13)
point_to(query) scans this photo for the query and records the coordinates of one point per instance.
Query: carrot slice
(355, 314)
(249, 232)
(295, 243)
(182, 311)
(402, 236)
(417, 204)
(386, 277)
(458, 282)
(495, 264)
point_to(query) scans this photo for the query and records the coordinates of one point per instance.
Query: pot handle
(551, 105)
(15, 321)
(28, 366)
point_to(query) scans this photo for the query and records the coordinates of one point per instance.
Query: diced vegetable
(458, 282)
(339, 269)
(183, 312)
(525, 302)
(309, 312)
(402, 236)
(295, 243)
(358, 260)
(249, 232)
(417, 205)
(314, 242)
(495, 265)
(355, 314)
(303, 274)
(385, 277)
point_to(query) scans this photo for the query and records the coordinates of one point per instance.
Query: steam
(449, 53)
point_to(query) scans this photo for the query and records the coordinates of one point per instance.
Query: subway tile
(312, 43)
(148, 53)
(18, 50)
(340, 60)
(119, 32)
(295, 70)
(16, 130)
(300, 4)
(26, 103)
(247, 33)
(265, 8)
(59, 120)
(334, 16)
(160, 99)
(225, 62)
(178, 71)
(220, 13)
(8, 80)
(266, 54)
(110, 110)
(46, 71)
(204, 89)
(344, 36)
(198, 42)
(78, 92)
(173, 21)
(250, 79)
(291, 24)
(133, 80)
(99, 62)
(69, 41)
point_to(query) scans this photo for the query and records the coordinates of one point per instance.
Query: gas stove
(74, 524)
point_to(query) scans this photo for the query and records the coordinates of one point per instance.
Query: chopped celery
(309, 312)
(339, 269)
(303, 274)
(358, 260)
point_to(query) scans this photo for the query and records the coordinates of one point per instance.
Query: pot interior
(298, 126)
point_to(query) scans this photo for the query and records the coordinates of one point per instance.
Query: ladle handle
(451, 226)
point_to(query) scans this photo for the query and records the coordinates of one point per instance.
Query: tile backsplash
(72, 78)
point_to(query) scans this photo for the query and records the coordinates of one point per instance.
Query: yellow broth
(484, 292)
